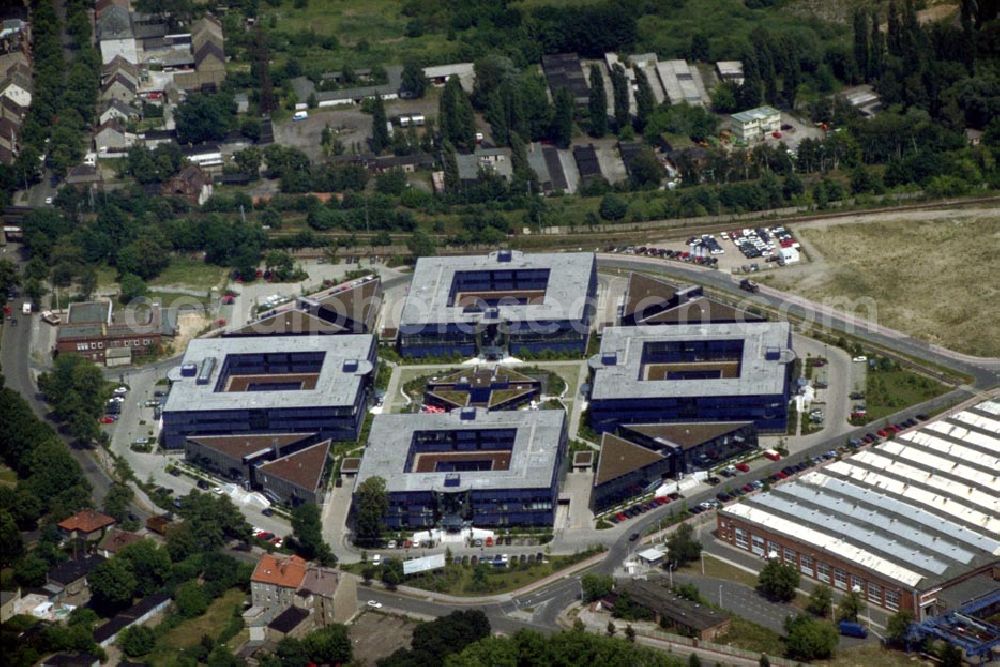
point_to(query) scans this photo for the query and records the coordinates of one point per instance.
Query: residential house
(17, 86)
(730, 71)
(208, 51)
(85, 527)
(438, 75)
(111, 138)
(116, 109)
(102, 6)
(208, 156)
(68, 581)
(10, 133)
(8, 600)
(191, 183)
(115, 540)
(12, 60)
(120, 65)
(84, 174)
(279, 584)
(119, 87)
(114, 31)
(12, 111)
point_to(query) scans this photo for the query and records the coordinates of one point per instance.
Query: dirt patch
(934, 278)
(189, 325)
(375, 636)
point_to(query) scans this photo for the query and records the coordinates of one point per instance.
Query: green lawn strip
(720, 570)
(749, 636)
(890, 391)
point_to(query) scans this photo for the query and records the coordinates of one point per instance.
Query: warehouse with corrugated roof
(909, 523)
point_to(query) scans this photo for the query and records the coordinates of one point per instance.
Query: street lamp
(857, 589)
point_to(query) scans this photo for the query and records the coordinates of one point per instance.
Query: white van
(300, 115)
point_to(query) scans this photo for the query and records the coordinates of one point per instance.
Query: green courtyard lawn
(190, 273)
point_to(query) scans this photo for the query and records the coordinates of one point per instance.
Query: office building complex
(506, 302)
(467, 467)
(273, 384)
(692, 373)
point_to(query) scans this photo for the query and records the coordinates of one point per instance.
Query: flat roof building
(467, 467)
(268, 385)
(755, 124)
(904, 521)
(673, 611)
(692, 373)
(502, 303)
(564, 70)
(682, 83)
(730, 71)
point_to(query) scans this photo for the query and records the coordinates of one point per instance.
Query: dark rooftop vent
(350, 365)
(772, 353)
(609, 359)
(452, 480)
(492, 314)
(468, 414)
(503, 255)
(189, 370)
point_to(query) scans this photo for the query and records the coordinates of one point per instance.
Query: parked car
(633, 537)
(849, 629)
(712, 480)
(107, 419)
(743, 467)
(922, 417)
(697, 509)
(202, 484)
(374, 604)
(266, 536)
(267, 511)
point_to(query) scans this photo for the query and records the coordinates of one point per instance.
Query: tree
(620, 96)
(11, 544)
(764, 660)
(861, 45)
(9, 278)
(778, 581)
(897, 627)
(699, 49)
(596, 586)
(682, 546)
(597, 104)
(849, 607)
(391, 182)
(611, 629)
(190, 599)
(307, 528)
(380, 130)
(819, 600)
(137, 640)
(456, 118)
(204, 117)
(613, 207)
(645, 171)
(810, 639)
(371, 507)
(413, 82)
(329, 645)
(248, 161)
(645, 100)
(392, 573)
(694, 660)
(149, 563)
(562, 118)
(112, 585)
(421, 244)
(630, 633)
(132, 287)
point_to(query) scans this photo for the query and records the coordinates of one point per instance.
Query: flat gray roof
(920, 509)
(618, 367)
(565, 295)
(334, 386)
(532, 458)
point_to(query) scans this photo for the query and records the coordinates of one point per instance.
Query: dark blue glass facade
(769, 413)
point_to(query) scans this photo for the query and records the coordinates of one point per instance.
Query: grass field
(934, 279)
(171, 645)
(869, 654)
(716, 568)
(190, 273)
(889, 391)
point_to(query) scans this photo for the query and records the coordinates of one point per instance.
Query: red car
(107, 419)
(781, 475)
(621, 516)
(743, 467)
(882, 433)
(772, 455)
(748, 488)
(776, 135)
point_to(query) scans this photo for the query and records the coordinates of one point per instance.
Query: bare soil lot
(375, 636)
(932, 277)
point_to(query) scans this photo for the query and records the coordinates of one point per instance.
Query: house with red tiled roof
(86, 524)
(290, 596)
(115, 540)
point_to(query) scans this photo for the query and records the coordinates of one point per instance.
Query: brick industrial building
(506, 302)
(912, 523)
(468, 466)
(93, 329)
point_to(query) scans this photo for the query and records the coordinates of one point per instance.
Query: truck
(748, 285)
(851, 629)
